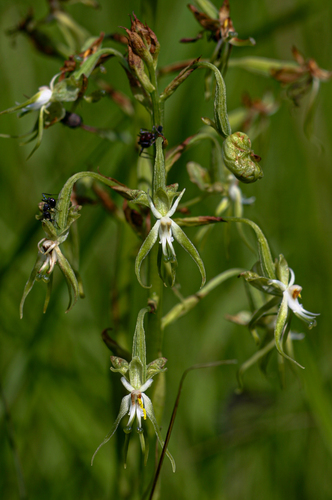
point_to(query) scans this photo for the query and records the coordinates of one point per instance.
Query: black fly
(148, 137)
(47, 207)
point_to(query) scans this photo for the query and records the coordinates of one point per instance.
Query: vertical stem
(154, 336)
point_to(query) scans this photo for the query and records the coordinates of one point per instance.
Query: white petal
(175, 205)
(125, 382)
(145, 386)
(292, 279)
(132, 412)
(155, 212)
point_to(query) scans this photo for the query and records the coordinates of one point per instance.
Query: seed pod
(240, 159)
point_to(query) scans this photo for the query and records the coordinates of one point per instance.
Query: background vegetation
(61, 398)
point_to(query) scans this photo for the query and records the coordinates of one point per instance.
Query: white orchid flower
(167, 230)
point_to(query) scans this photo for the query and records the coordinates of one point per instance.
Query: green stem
(155, 333)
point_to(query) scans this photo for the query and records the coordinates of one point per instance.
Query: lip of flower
(136, 401)
(292, 292)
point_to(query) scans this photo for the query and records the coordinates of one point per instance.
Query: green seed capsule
(240, 159)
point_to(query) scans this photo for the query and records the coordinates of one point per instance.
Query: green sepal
(199, 175)
(32, 278)
(308, 124)
(68, 89)
(240, 159)
(155, 367)
(55, 113)
(280, 329)
(262, 65)
(238, 42)
(49, 286)
(208, 8)
(139, 346)
(161, 201)
(185, 242)
(151, 416)
(136, 372)
(264, 251)
(89, 65)
(70, 277)
(120, 365)
(263, 284)
(258, 356)
(95, 96)
(180, 78)
(258, 315)
(147, 244)
(200, 220)
(40, 130)
(122, 413)
(14, 109)
(50, 230)
(166, 267)
(221, 122)
(282, 270)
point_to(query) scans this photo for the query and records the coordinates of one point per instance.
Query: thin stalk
(155, 333)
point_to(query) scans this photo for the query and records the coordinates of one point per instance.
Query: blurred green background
(61, 398)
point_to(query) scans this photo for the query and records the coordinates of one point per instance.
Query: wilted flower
(218, 23)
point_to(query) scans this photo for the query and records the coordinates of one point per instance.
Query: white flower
(165, 226)
(43, 97)
(292, 292)
(167, 230)
(135, 402)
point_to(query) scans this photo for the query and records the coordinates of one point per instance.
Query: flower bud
(240, 159)
(137, 66)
